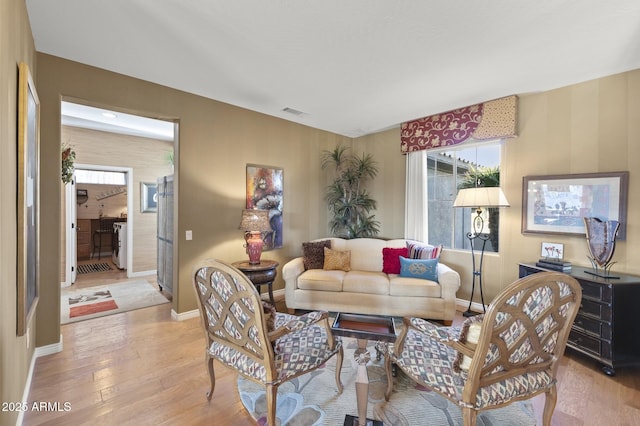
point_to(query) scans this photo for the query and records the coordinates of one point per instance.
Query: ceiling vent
(293, 111)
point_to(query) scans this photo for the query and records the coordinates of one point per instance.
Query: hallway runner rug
(94, 267)
(107, 299)
(312, 399)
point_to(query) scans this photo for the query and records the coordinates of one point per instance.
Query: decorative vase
(601, 240)
(254, 247)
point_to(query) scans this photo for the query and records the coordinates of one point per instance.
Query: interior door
(72, 229)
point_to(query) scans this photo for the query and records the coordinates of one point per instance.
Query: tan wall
(584, 128)
(16, 45)
(388, 187)
(216, 141)
(148, 158)
(113, 206)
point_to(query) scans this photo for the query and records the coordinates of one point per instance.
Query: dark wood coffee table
(364, 328)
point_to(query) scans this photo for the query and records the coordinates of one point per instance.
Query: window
(446, 171)
(101, 177)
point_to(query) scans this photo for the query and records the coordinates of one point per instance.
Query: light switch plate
(189, 235)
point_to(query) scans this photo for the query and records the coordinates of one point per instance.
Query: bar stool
(104, 230)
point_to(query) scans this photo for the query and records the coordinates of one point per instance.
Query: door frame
(71, 257)
(71, 261)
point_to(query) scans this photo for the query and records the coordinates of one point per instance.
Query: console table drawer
(596, 291)
(594, 309)
(600, 348)
(592, 326)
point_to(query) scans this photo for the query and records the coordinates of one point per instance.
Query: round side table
(263, 273)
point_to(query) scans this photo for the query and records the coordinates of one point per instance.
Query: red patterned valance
(489, 120)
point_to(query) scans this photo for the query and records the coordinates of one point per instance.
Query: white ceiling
(88, 117)
(351, 67)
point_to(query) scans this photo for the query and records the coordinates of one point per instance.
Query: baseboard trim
(277, 295)
(462, 305)
(37, 353)
(184, 315)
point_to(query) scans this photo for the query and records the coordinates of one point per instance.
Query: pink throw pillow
(391, 259)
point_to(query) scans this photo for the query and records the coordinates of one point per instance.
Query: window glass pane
(100, 177)
(446, 171)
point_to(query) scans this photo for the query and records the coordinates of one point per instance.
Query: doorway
(99, 195)
(133, 147)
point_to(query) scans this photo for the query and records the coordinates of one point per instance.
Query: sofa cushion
(391, 259)
(313, 254)
(321, 280)
(413, 287)
(366, 253)
(366, 282)
(337, 260)
(423, 251)
(419, 268)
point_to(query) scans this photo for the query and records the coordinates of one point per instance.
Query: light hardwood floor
(106, 277)
(142, 368)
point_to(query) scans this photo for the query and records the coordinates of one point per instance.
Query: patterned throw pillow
(337, 260)
(426, 269)
(313, 254)
(391, 259)
(469, 335)
(423, 251)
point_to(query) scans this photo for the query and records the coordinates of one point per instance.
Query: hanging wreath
(68, 158)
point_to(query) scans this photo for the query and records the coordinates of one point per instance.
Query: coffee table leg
(388, 366)
(362, 356)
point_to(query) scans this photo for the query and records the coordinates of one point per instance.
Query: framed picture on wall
(265, 187)
(148, 197)
(28, 195)
(558, 204)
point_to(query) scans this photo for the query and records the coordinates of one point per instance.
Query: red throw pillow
(391, 259)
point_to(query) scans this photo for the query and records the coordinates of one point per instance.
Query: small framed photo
(148, 197)
(552, 251)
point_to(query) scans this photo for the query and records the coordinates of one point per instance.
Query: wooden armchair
(510, 353)
(238, 334)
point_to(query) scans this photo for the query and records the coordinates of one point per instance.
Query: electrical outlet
(189, 235)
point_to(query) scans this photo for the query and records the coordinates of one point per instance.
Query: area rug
(93, 302)
(94, 267)
(312, 399)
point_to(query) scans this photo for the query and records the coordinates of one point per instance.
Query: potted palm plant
(349, 202)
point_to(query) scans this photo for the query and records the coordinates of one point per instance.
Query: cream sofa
(366, 289)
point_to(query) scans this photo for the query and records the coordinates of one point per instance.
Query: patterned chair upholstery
(510, 353)
(238, 336)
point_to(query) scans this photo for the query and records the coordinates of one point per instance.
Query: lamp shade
(255, 221)
(481, 197)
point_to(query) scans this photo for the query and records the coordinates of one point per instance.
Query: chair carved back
(232, 313)
(525, 330)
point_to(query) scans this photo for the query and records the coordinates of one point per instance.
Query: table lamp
(254, 223)
(477, 198)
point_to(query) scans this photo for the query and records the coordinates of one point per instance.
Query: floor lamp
(479, 198)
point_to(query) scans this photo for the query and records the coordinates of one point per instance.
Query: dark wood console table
(605, 327)
(263, 273)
